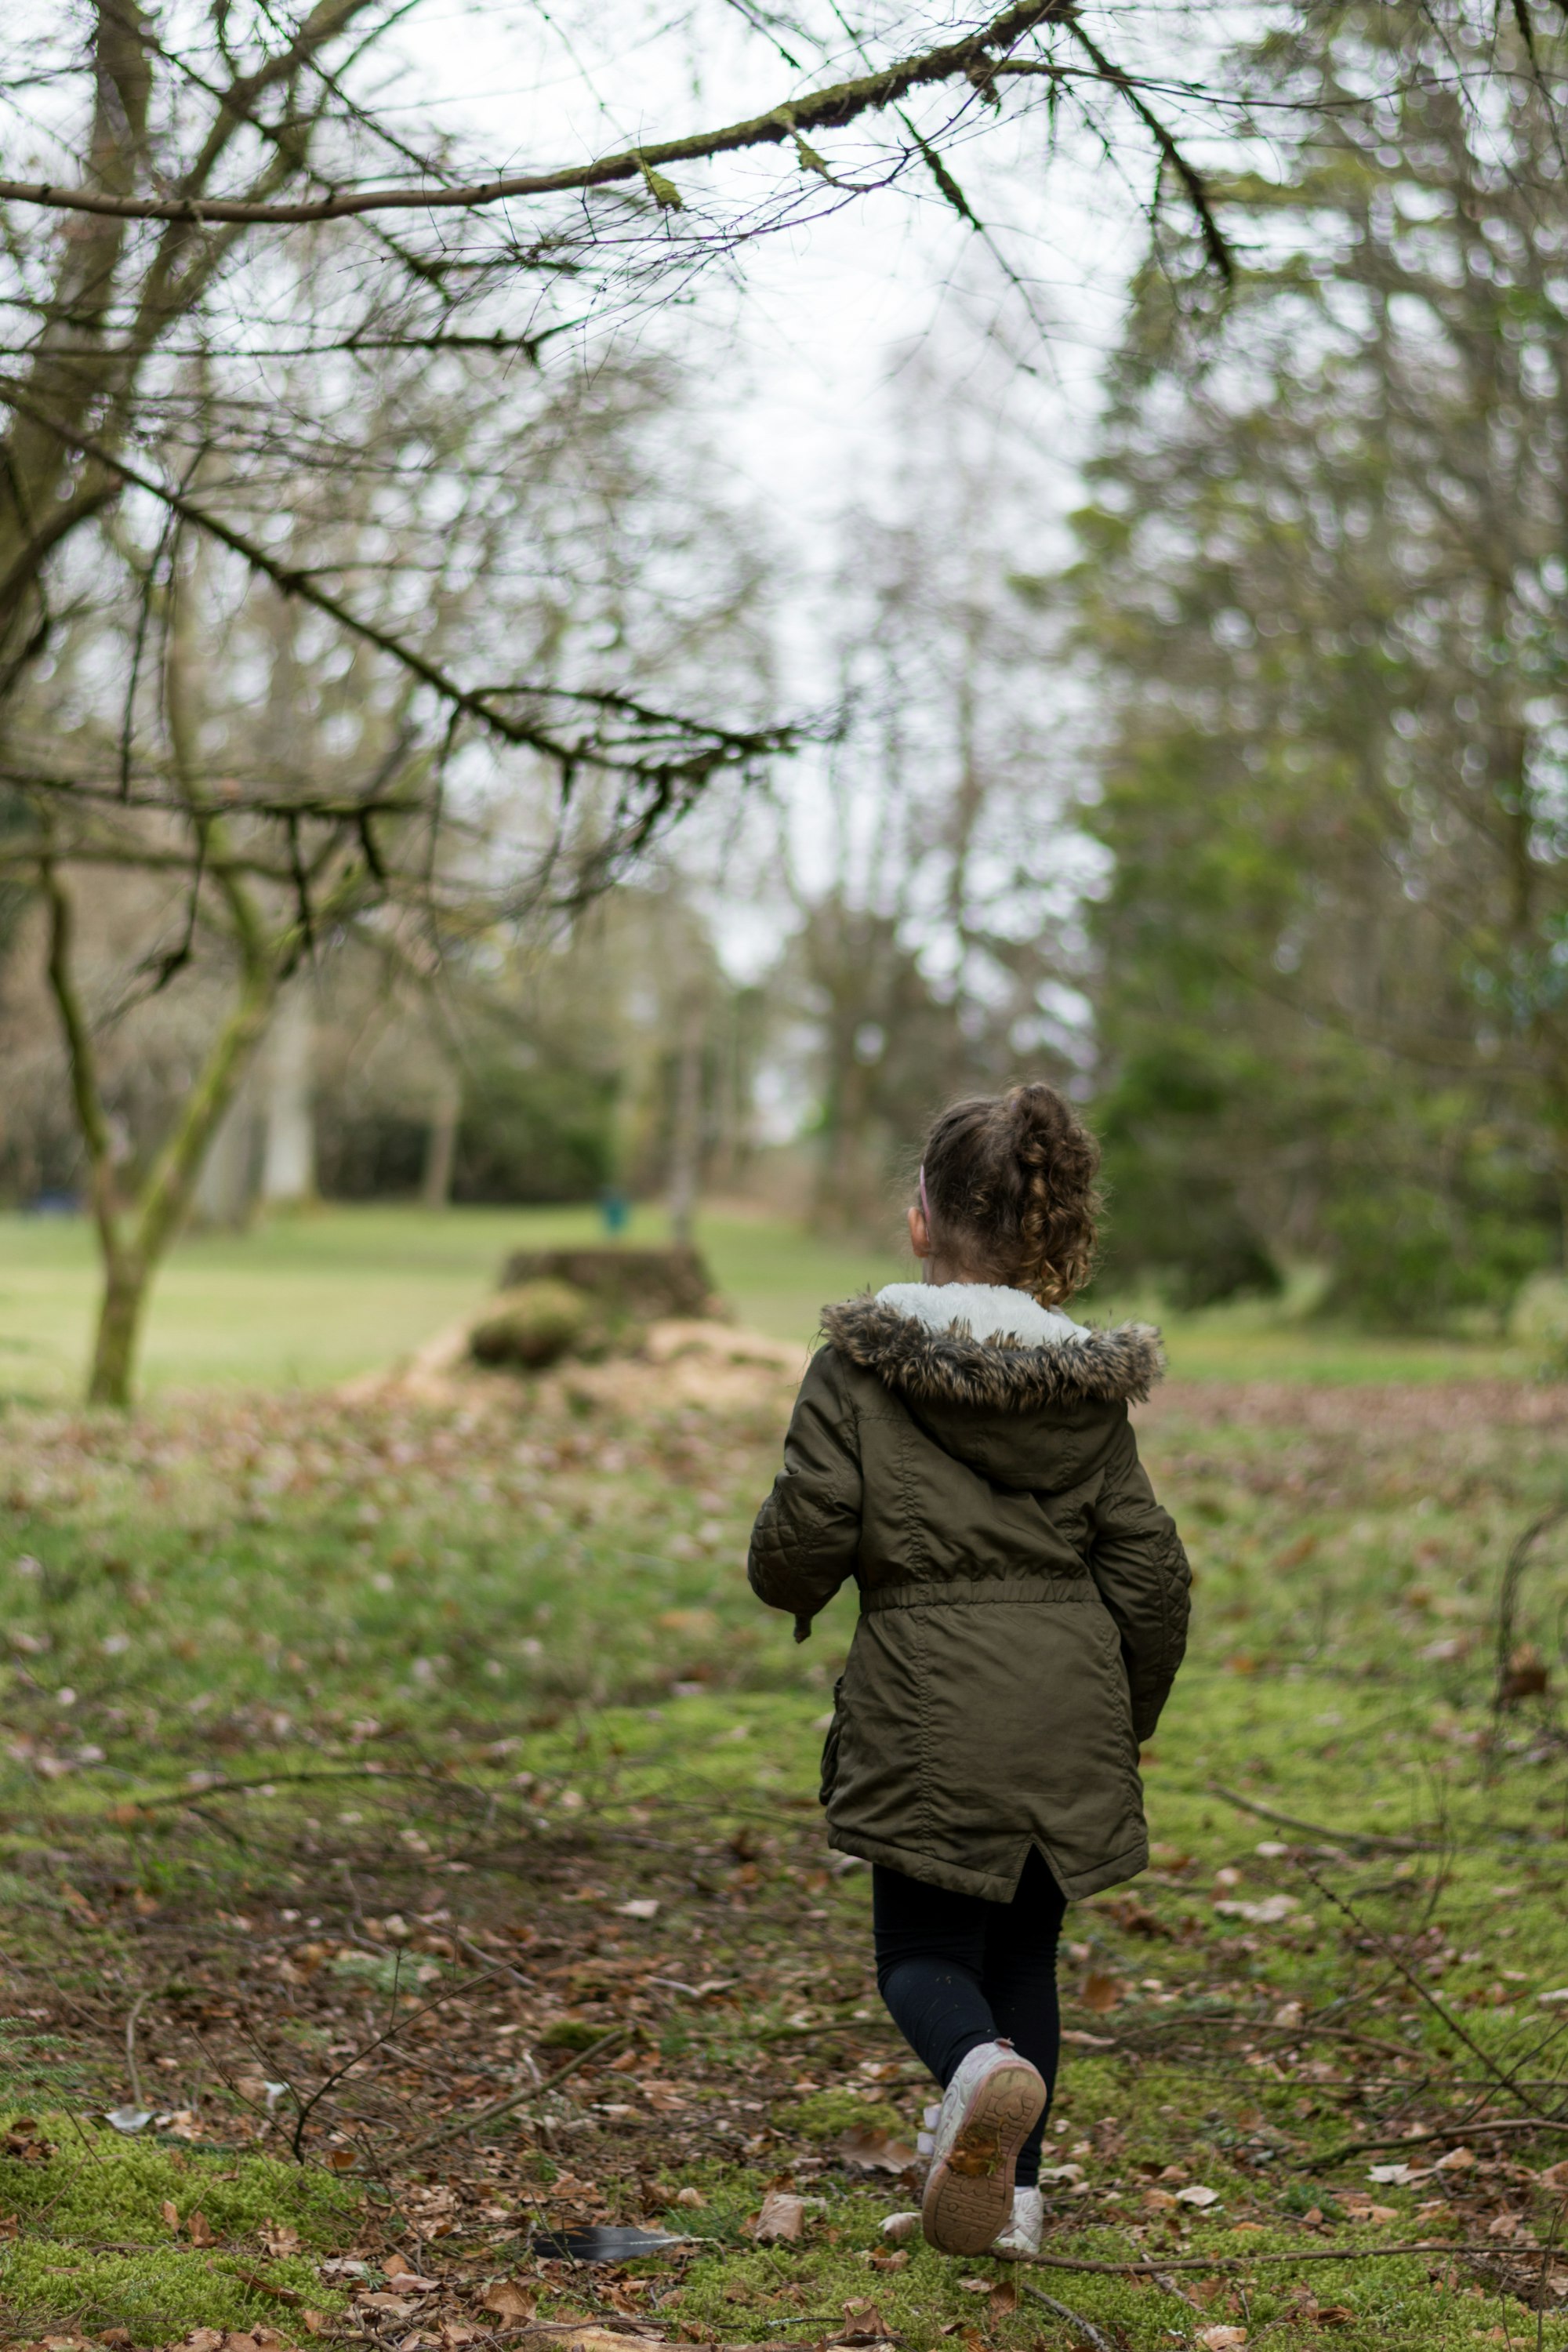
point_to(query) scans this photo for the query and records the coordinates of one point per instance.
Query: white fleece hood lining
(991, 1310)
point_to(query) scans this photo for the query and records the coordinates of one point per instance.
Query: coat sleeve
(807, 1534)
(1137, 1560)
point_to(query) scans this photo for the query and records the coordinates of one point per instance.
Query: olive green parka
(966, 1456)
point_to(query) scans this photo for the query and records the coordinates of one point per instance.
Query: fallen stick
(1086, 2329)
(1423, 1991)
(1372, 1840)
(451, 2130)
(811, 2033)
(1252, 2262)
(374, 1771)
(1478, 2127)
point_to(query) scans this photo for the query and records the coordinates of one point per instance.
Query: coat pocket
(830, 1746)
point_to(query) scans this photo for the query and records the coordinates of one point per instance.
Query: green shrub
(533, 1130)
(1410, 1257)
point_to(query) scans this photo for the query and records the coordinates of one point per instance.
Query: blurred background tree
(373, 613)
(1323, 588)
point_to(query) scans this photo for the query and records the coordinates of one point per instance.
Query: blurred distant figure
(616, 1210)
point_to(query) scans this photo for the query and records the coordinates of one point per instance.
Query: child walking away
(961, 1449)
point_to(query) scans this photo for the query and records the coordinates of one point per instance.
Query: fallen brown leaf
(864, 2323)
(781, 2220)
(869, 2149)
(578, 2338)
(1100, 1993)
(508, 2302)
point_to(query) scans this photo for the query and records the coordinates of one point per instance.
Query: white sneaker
(1021, 2238)
(991, 2106)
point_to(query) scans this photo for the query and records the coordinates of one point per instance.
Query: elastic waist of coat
(976, 1591)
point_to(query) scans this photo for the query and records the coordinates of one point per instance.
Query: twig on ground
(1086, 2327)
(452, 2130)
(1253, 2262)
(1173, 2286)
(1373, 1840)
(809, 2032)
(1423, 1991)
(1547, 2251)
(374, 1771)
(1478, 2127)
(137, 2006)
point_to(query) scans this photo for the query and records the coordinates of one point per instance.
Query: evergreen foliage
(1323, 579)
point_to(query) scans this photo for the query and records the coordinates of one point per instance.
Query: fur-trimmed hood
(1020, 1393)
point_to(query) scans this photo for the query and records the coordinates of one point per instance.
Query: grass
(326, 1722)
(310, 1299)
(313, 1710)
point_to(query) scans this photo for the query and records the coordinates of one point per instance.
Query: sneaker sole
(968, 2200)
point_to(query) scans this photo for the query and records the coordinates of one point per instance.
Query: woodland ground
(366, 1766)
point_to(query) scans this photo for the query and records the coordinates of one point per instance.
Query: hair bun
(1013, 1176)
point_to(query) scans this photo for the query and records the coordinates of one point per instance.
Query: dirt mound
(680, 1361)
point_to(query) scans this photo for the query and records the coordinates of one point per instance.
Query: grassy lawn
(365, 1766)
(309, 1300)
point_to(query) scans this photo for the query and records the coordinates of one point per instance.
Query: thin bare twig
(1253, 2262)
(1478, 2127)
(453, 2130)
(1440, 2010)
(1370, 1838)
(825, 109)
(1085, 2328)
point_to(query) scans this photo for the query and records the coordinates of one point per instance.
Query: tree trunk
(127, 1283)
(685, 1141)
(226, 1189)
(441, 1149)
(289, 1166)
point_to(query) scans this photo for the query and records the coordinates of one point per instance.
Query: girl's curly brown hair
(1010, 1187)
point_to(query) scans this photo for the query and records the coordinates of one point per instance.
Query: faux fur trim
(952, 1367)
(991, 1310)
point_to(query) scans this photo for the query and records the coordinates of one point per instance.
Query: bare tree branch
(672, 772)
(825, 109)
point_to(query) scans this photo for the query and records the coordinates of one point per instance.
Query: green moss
(158, 2294)
(827, 2115)
(99, 2184)
(571, 2033)
(103, 2253)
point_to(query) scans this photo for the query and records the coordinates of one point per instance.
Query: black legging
(956, 1971)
